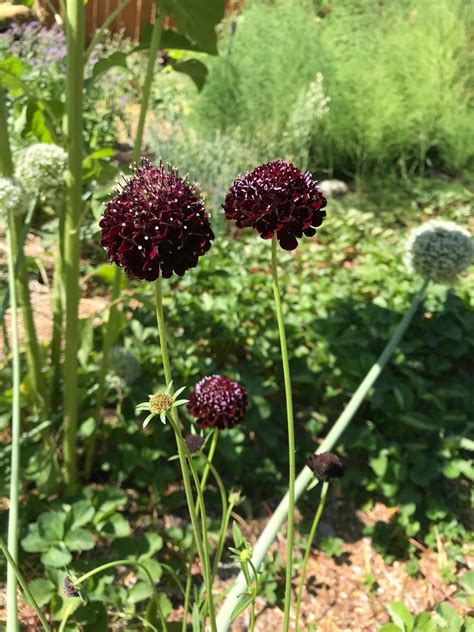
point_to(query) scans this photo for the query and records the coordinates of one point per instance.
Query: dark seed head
(194, 442)
(218, 402)
(69, 589)
(156, 225)
(326, 465)
(277, 198)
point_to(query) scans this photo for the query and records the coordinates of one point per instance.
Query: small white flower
(161, 403)
(12, 197)
(41, 169)
(439, 251)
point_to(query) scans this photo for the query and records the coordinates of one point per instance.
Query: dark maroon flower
(326, 465)
(194, 442)
(277, 198)
(218, 402)
(156, 224)
(69, 590)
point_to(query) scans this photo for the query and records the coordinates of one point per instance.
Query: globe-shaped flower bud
(277, 198)
(439, 251)
(218, 402)
(156, 224)
(41, 170)
(326, 465)
(13, 197)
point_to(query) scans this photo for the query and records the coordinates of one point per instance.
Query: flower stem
(6, 166)
(272, 527)
(312, 533)
(291, 435)
(110, 327)
(74, 109)
(13, 565)
(201, 543)
(209, 458)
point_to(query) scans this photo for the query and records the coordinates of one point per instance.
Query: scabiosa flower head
(13, 197)
(156, 224)
(194, 443)
(277, 198)
(439, 251)
(69, 590)
(160, 403)
(41, 169)
(326, 465)
(218, 402)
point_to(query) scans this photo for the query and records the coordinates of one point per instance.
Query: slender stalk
(105, 25)
(209, 458)
(59, 301)
(305, 476)
(187, 595)
(113, 310)
(201, 544)
(24, 586)
(291, 436)
(6, 166)
(312, 533)
(74, 110)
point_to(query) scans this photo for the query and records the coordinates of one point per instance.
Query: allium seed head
(218, 402)
(124, 365)
(13, 197)
(160, 403)
(326, 465)
(277, 198)
(439, 251)
(194, 443)
(156, 224)
(41, 168)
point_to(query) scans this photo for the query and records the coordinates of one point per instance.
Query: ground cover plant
(240, 357)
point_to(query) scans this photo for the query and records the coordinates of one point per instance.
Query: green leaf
(140, 592)
(239, 608)
(82, 512)
(42, 591)
(400, 615)
(449, 617)
(196, 618)
(196, 19)
(467, 582)
(79, 540)
(239, 539)
(194, 69)
(56, 556)
(106, 63)
(390, 627)
(33, 542)
(51, 525)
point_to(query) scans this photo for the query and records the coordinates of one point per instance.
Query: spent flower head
(156, 225)
(161, 403)
(277, 198)
(124, 366)
(218, 402)
(41, 170)
(69, 589)
(194, 442)
(439, 251)
(326, 465)
(13, 197)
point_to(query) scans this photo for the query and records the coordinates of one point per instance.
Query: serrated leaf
(33, 542)
(82, 512)
(400, 615)
(51, 525)
(42, 591)
(79, 540)
(140, 592)
(56, 556)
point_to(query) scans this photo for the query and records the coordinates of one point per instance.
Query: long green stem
(74, 110)
(291, 436)
(312, 533)
(209, 458)
(110, 327)
(174, 417)
(24, 586)
(59, 300)
(272, 527)
(6, 166)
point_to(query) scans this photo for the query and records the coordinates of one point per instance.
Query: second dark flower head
(156, 225)
(277, 198)
(217, 402)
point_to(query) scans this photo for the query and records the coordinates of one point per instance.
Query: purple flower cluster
(277, 198)
(156, 225)
(44, 48)
(218, 402)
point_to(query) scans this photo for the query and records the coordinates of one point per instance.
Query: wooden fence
(131, 19)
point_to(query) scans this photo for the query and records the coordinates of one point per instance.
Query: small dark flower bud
(326, 466)
(194, 442)
(69, 589)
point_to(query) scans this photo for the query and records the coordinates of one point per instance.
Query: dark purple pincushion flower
(156, 224)
(277, 198)
(326, 465)
(218, 402)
